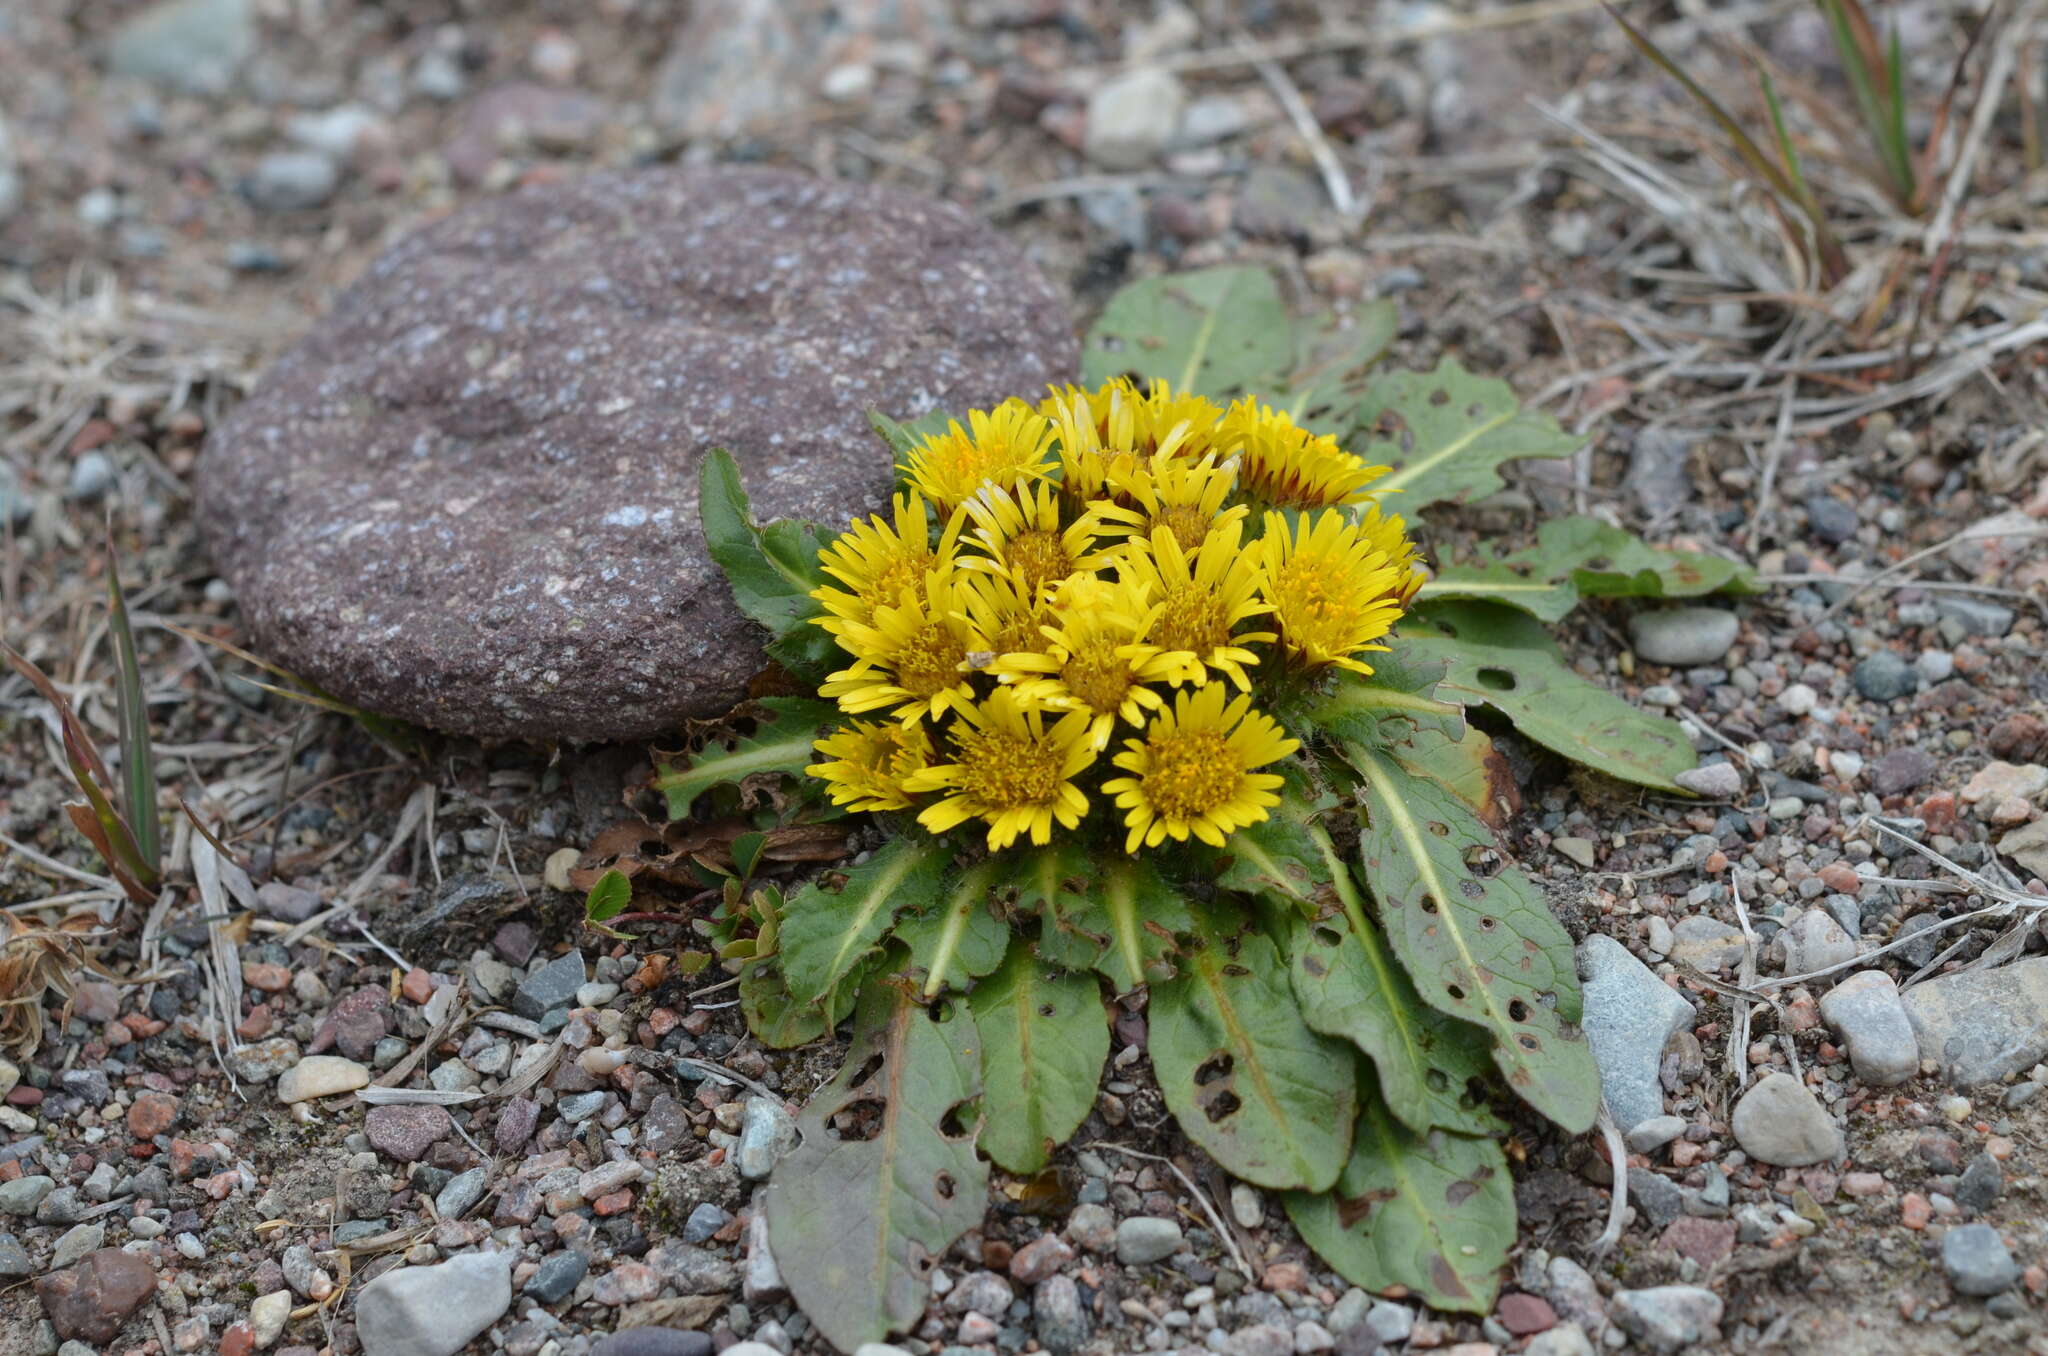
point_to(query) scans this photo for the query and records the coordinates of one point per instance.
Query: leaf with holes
(1500, 658)
(1351, 987)
(1446, 433)
(825, 932)
(1434, 1213)
(962, 938)
(1470, 766)
(1482, 948)
(1044, 1037)
(1143, 915)
(785, 728)
(1055, 883)
(1578, 558)
(1260, 1092)
(858, 1224)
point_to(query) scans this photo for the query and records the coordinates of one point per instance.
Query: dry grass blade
(36, 962)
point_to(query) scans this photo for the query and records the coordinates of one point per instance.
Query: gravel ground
(159, 1191)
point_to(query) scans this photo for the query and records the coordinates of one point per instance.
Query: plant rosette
(1117, 682)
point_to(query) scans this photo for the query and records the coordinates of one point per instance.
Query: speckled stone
(468, 498)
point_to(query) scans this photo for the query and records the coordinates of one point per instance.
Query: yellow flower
(1336, 586)
(1009, 771)
(1283, 465)
(1115, 427)
(1094, 658)
(1192, 772)
(911, 658)
(1000, 616)
(1022, 535)
(866, 764)
(1185, 497)
(878, 560)
(1202, 597)
(1008, 444)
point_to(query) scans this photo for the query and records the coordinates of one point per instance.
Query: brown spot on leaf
(1352, 1209)
(1445, 1277)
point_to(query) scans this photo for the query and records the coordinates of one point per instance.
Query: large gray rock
(1983, 1024)
(1629, 1014)
(434, 1311)
(468, 498)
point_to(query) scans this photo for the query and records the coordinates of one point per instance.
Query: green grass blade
(1864, 68)
(1752, 155)
(138, 761)
(1901, 151)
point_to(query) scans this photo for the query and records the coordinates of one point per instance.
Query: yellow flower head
(1023, 539)
(1192, 771)
(1336, 586)
(866, 764)
(878, 560)
(1001, 615)
(1094, 657)
(911, 658)
(1183, 496)
(1009, 771)
(1202, 596)
(1115, 426)
(1003, 446)
(1282, 465)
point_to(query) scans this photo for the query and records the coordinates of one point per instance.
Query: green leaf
(1044, 1037)
(825, 933)
(1249, 1082)
(138, 762)
(1470, 767)
(1446, 433)
(964, 938)
(1350, 987)
(1054, 883)
(1143, 915)
(906, 438)
(772, 569)
(1576, 558)
(1276, 857)
(1221, 332)
(785, 728)
(608, 898)
(1398, 699)
(1481, 948)
(857, 1225)
(1434, 1213)
(746, 852)
(781, 1021)
(1501, 658)
(1225, 332)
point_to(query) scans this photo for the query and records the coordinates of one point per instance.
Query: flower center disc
(1007, 770)
(1192, 772)
(929, 662)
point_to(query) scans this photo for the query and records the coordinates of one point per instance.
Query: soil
(141, 294)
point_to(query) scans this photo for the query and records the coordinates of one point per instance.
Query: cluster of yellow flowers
(1096, 564)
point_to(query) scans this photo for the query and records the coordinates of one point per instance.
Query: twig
(1617, 1200)
(1977, 533)
(720, 1074)
(1335, 182)
(51, 864)
(1201, 1199)
(1774, 456)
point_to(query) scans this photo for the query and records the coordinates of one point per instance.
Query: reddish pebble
(1716, 863)
(238, 1340)
(2035, 1278)
(1914, 1211)
(21, 1094)
(615, 1203)
(269, 978)
(257, 1024)
(996, 1254)
(1685, 1153)
(1523, 1315)
(10, 1170)
(661, 1021)
(1286, 1277)
(417, 986)
(152, 1115)
(1939, 810)
(1841, 878)
(116, 1035)
(1864, 1184)
(222, 1185)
